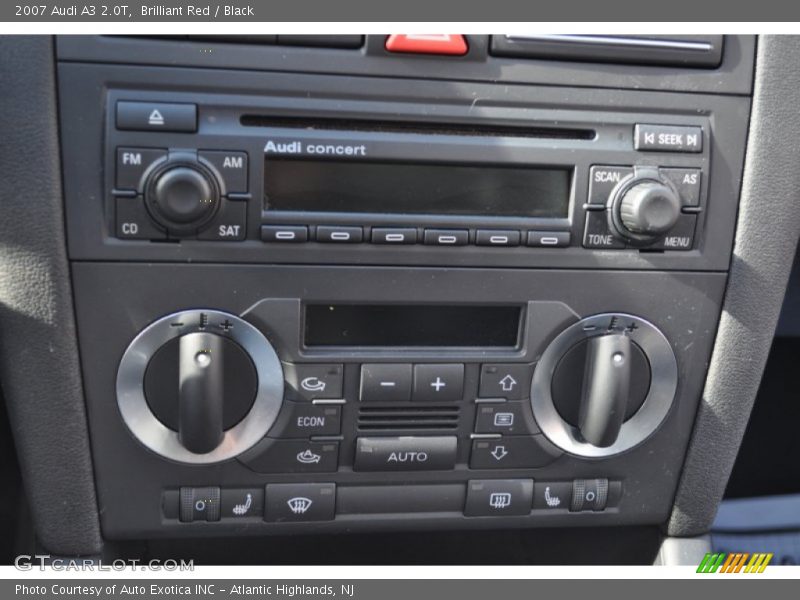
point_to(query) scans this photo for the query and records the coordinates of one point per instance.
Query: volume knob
(649, 209)
(182, 197)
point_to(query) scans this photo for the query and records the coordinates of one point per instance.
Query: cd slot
(383, 126)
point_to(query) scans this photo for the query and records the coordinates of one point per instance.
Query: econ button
(405, 453)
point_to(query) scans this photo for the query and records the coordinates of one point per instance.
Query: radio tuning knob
(647, 210)
(182, 197)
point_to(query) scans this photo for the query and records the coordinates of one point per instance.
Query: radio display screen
(400, 188)
(411, 325)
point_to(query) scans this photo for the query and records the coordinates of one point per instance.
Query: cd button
(381, 235)
(446, 237)
(490, 237)
(342, 235)
(133, 221)
(385, 383)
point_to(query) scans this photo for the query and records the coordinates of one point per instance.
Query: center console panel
(351, 301)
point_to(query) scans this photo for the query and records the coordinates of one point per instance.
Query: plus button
(438, 384)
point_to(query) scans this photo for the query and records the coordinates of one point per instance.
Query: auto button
(405, 453)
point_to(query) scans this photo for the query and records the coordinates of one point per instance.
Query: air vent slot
(702, 51)
(337, 124)
(407, 418)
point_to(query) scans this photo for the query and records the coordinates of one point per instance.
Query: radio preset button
(386, 382)
(132, 163)
(232, 166)
(438, 383)
(687, 182)
(497, 237)
(549, 239)
(446, 237)
(405, 453)
(133, 221)
(300, 502)
(284, 233)
(156, 116)
(670, 138)
(312, 381)
(603, 179)
(512, 452)
(511, 381)
(598, 234)
(342, 235)
(499, 497)
(388, 235)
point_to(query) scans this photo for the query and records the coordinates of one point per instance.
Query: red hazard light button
(437, 43)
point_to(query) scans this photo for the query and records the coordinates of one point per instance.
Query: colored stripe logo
(735, 562)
